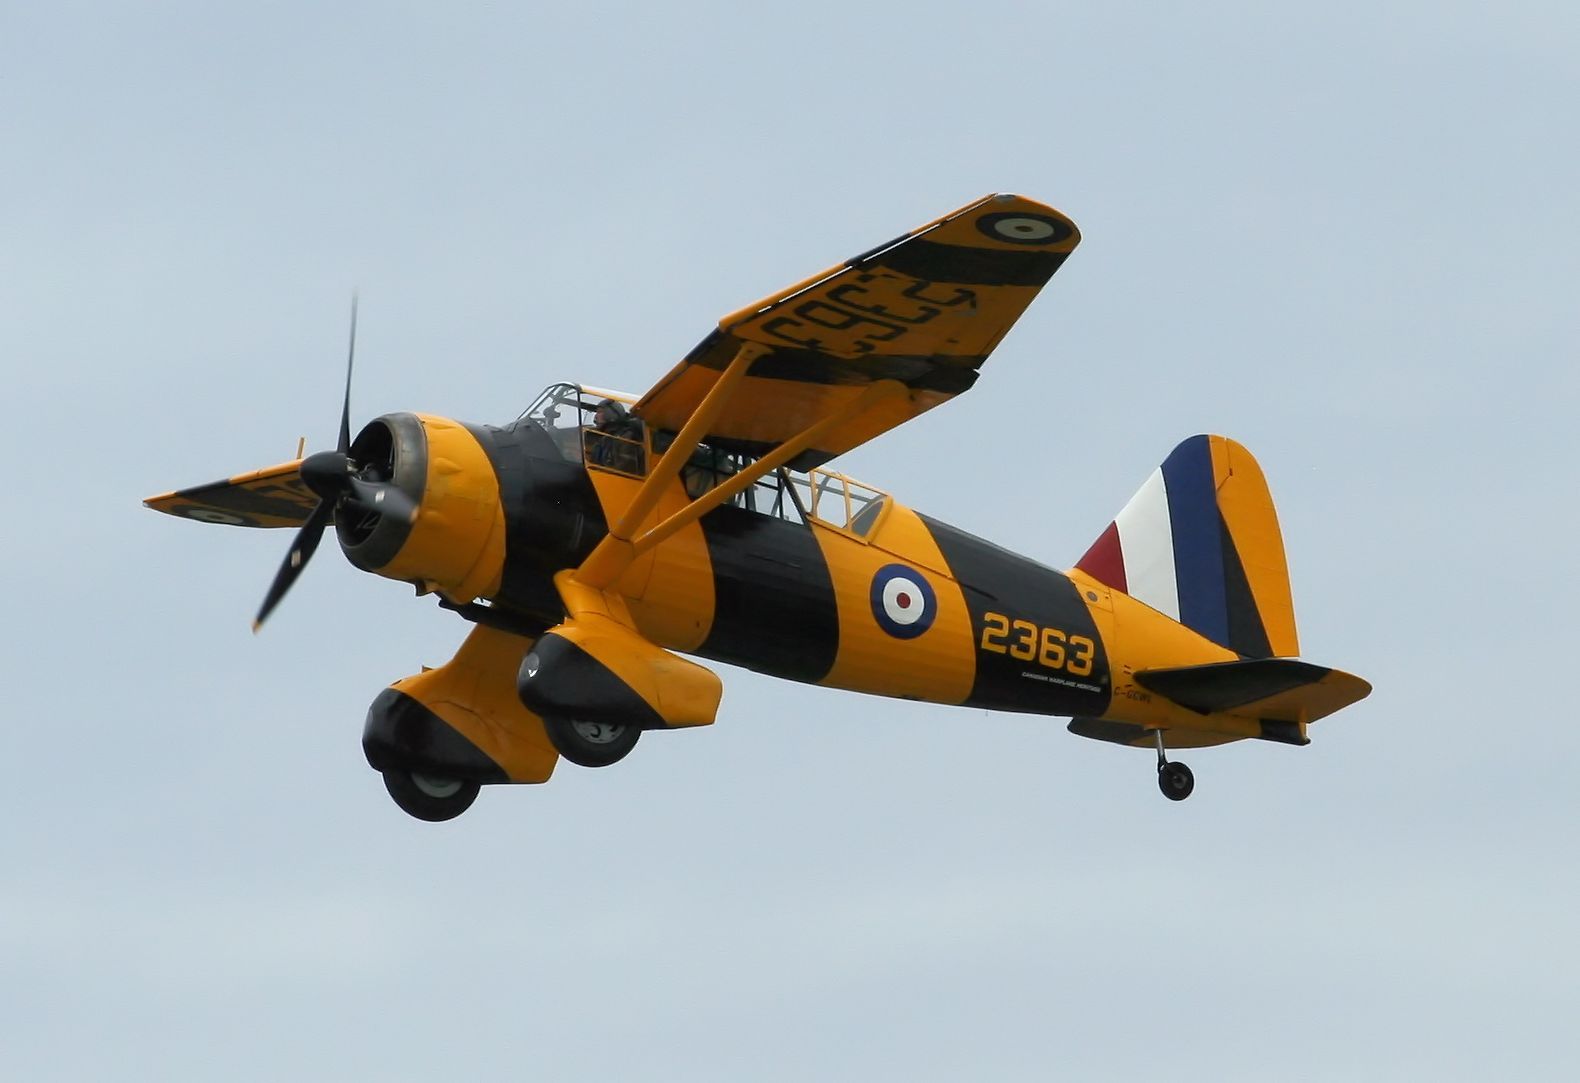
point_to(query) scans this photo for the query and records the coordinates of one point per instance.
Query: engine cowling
(456, 546)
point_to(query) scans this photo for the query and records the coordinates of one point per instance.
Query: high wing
(272, 497)
(924, 310)
(833, 361)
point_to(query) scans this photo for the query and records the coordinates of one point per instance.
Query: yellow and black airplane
(599, 537)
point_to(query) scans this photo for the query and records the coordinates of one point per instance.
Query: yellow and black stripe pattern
(919, 610)
(272, 497)
(925, 310)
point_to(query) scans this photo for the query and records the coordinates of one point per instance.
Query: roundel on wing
(903, 602)
(1023, 228)
(212, 515)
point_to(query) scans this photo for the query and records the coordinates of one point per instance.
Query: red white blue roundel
(902, 601)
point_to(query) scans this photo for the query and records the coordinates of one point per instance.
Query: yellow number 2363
(1024, 641)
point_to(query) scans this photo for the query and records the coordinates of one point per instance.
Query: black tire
(429, 797)
(1176, 781)
(591, 744)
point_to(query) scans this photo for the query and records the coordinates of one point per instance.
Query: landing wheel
(591, 744)
(430, 797)
(1176, 781)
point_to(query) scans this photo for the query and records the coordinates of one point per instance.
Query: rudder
(1200, 543)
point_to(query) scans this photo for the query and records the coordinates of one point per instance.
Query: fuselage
(812, 578)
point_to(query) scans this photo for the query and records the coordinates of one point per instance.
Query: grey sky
(1340, 233)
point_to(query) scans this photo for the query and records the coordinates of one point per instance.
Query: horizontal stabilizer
(1136, 735)
(1271, 689)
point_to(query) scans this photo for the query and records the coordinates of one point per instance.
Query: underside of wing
(924, 309)
(272, 497)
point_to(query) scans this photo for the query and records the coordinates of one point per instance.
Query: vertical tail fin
(1200, 542)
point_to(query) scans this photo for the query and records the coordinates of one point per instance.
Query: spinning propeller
(340, 482)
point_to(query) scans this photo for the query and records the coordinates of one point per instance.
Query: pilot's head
(608, 413)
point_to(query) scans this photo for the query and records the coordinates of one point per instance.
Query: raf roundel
(903, 602)
(1035, 229)
(211, 515)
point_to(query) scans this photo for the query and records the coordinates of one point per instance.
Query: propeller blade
(382, 498)
(345, 408)
(302, 548)
(332, 475)
(326, 473)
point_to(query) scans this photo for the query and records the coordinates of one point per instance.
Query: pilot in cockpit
(624, 451)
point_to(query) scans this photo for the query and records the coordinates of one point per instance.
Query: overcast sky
(1340, 233)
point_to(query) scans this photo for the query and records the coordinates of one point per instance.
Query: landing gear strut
(1174, 779)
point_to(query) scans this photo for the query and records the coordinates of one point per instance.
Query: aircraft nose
(388, 473)
(441, 524)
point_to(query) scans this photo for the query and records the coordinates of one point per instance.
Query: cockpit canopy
(622, 444)
(568, 413)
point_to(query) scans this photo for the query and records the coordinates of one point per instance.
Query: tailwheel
(1174, 779)
(591, 744)
(430, 797)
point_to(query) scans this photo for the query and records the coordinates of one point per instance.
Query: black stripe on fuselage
(773, 609)
(552, 515)
(995, 580)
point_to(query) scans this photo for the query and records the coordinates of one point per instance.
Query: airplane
(600, 537)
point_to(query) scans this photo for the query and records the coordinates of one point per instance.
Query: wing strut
(615, 553)
(686, 442)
